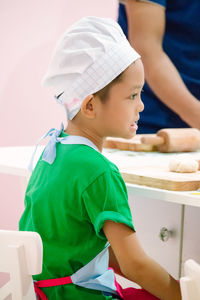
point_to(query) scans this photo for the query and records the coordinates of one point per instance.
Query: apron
(95, 275)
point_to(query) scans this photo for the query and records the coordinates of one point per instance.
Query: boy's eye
(133, 96)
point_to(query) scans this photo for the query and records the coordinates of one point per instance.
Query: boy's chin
(130, 136)
(123, 134)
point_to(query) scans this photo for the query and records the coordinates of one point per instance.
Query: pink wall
(29, 30)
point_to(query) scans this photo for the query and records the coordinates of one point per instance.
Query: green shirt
(67, 203)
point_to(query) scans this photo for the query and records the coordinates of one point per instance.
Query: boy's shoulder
(87, 157)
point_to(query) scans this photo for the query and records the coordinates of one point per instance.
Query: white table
(15, 161)
(152, 208)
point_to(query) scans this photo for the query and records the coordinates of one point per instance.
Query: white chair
(21, 254)
(190, 284)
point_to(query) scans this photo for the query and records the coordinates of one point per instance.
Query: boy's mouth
(134, 125)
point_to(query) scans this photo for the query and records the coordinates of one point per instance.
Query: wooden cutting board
(152, 170)
(162, 178)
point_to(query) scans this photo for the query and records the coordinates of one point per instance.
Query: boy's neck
(73, 129)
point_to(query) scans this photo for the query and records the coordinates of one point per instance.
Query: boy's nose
(141, 106)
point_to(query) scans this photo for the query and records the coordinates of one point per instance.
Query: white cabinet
(191, 234)
(149, 217)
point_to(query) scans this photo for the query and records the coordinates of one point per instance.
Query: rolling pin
(133, 144)
(174, 140)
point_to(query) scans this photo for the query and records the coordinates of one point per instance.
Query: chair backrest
(190, 284)
(21, 254)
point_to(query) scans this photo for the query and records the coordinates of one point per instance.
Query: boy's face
(121, 110)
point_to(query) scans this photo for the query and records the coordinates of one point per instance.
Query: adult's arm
(146, 26)
(135, 265)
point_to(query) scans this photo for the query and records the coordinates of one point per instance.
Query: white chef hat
(87, 57)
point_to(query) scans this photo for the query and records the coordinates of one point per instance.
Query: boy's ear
(88, 107)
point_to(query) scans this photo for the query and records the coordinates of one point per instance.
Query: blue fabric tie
(49, 153)
(96, 275)
(50, 150)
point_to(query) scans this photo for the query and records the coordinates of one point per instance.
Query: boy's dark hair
(103, 94)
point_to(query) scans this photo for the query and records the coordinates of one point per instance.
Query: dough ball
(183, 164)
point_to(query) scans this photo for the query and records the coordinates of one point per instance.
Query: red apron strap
(54, 282)
(39, 293)
(47, 283)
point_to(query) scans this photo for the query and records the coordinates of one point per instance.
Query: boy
(76, 198)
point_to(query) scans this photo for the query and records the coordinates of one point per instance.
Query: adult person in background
(167, 35)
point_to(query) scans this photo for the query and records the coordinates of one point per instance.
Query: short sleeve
(107, 199)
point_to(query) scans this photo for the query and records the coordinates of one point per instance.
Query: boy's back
(67, 203)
